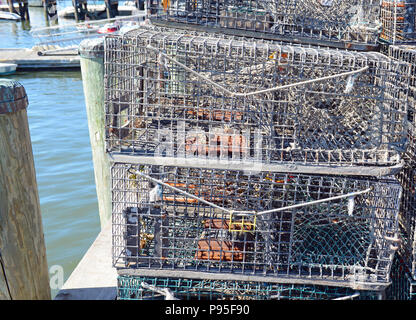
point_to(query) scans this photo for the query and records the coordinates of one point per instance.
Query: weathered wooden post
(11, 7)
(92, 69)
(23, 266)
(108, 8)
(23, 9)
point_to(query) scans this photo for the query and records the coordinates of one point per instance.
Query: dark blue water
(62, 152)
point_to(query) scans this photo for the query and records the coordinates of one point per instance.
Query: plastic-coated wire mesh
(175, 95)
(220, 221)
(398, 18)
(155, 288)
(403, 286)
(348, 24)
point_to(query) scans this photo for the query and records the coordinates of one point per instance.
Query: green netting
(150, 288)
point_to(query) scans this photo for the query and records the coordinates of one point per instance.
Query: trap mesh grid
(398, 18)
(342, 23)
(403, 286)
(188, 96)
(229, 221)
(407, 216)
(407, 54)
(164, 288)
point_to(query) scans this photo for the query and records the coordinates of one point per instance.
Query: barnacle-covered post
(92, 68)
(23, 265)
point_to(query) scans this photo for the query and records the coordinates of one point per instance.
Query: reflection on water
(62, 152)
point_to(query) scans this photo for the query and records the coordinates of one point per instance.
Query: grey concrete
(94, 278)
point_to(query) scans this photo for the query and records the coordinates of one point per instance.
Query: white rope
(239, 94)
(248, 213)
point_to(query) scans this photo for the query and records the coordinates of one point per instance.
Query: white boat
(7, 68)
(4, 15)
(109, 28)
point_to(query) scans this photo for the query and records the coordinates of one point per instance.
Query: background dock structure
(29, 59)
(20, 7)
(89, 10)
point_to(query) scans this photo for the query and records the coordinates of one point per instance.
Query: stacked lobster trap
(251, 169)
(341, 23)
(347, 24)
(404, 277)
(398, 18)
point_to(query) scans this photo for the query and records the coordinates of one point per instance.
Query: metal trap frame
(407, 54)
(173, 288)
(186, 96)
(338, 23)
(326, 229)
(398, 18)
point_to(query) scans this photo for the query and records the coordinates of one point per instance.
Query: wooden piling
(11, 8)
(50, 9)
(23, 266)
(23, 8)
(75, 5)
(92, 69)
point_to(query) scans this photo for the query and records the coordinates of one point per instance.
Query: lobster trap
(407, 54)
(398, 18)
(339, 23)
(186, 96)
(171, 288)
(266, 225)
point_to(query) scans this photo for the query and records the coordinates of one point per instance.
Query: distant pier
(29, 59)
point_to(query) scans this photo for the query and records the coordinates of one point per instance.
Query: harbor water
(62, 153)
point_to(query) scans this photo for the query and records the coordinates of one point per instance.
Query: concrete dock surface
(94, 278)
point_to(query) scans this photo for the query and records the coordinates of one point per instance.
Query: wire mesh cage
(271, 225)
(407, 216)
(170, 288)
(177, 95)
(407, 54)
(398, 18)
(403, 286)
(347, 24)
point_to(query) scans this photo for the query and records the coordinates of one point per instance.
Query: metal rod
(241, 213)
(239, 94)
